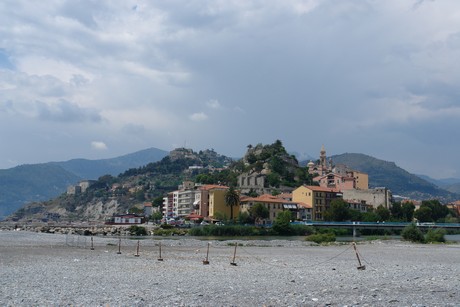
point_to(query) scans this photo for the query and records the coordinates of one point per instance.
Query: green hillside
(93, 169)
(39, 182)
(388, 174)
(27, 183)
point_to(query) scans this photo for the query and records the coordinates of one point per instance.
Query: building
(373, 197)
(274, 204)
(81, 187)
(322, 167)
(201, 203)
(125, 219)
(148, 209)
(217, 206)
(455, 207)
(185, 200)
(318, 198)
(85, 184)
(336, 181)
(358, 205)
(361, 180)
(255, 182)
(168, 205)
(73, 190)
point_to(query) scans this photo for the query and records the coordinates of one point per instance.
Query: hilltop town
(187, 185)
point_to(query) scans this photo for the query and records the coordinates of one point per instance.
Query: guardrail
(376, 225)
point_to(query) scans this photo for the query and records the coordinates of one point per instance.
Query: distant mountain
(93, 169)
(449, 184)
(388, 174)
(116, 194)
(39, 182)
(36, 182)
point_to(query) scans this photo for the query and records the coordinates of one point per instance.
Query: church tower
(323, 160)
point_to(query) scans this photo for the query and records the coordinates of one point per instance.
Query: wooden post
(92, 244)
(137, 251)
(361, 267)
(206, 261)
(234, 255)
(159, 258)
(119, 245)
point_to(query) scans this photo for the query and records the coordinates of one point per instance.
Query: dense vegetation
(388, 174)
(151, 182)
(429, 211)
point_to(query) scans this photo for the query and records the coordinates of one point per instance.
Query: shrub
(321, 237)
(135, 230)
(166, 226)
(435, 235)
(302, 230)
(169, 232)
(413, 234)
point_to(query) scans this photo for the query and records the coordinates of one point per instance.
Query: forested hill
(38, 182)
(34, 182)
(93, 169)
(388, 174)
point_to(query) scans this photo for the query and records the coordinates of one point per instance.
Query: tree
(408, 211)
(232, 198)
(244, 218)
(259, 212)
(370, 216)
(338, 211)
(438, 210)
(412, 233)
(383, 213)
(423, 214)
(135, 210)
(396, 211)
(157, 216)
(282, 224)
(157, 201)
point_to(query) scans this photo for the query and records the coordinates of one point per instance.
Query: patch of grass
(321, 238)
(435, 236)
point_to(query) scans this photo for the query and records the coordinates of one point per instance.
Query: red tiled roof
(265, 198)
(305, 205)
(212, 186)
(321, 189)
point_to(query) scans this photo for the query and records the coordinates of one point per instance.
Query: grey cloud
(64, 111)
(134, 129)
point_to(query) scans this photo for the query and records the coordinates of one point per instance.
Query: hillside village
(267, 175)
(306, 202)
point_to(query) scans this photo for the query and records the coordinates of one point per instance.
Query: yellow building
(318, 198)
(361, 180)
(276, 205)
(217, 204)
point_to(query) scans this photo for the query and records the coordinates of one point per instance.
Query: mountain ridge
(387, 174)
(39, 182)
(381, 173)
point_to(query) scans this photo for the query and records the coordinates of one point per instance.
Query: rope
(297, 267)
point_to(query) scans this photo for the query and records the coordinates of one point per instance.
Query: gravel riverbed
(40, 269)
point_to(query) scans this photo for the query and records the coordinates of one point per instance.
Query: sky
(99, 79)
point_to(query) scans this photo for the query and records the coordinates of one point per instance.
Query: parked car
(204, 223)
(220, 223)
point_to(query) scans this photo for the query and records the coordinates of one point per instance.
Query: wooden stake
(234, 255)
(207, 254)
(92, 244)
(160, 259)
(137, 251)
(119, 245)
(361, 267)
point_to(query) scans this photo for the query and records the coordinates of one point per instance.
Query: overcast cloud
(98, 79)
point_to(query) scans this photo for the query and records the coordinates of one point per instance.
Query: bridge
(380, 225)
